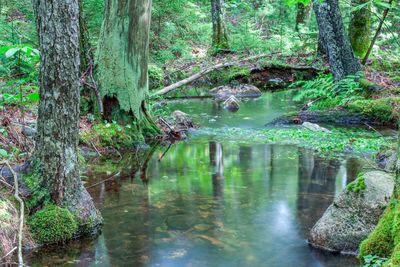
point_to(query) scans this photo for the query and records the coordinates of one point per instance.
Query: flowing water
(211, 203)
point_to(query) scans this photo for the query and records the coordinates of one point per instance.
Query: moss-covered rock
(380, 241)
(354, 215)
(381, 109)
(53, 224)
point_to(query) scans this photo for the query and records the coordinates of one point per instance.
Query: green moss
(110, 134)
(381, 109)
(156, 77)
(227, 75)
(380, 241)
(394, 260)
(34, 181)
(358, 185)
(359, 29)
(53, 224)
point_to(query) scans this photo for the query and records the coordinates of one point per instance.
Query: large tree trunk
(360, 28)
(220, 36)
(122, 64)
(341, 57)
(56, 153)
(303, 14)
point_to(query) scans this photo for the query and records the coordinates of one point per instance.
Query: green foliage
(329, 144)
(357, 185)
(110, 134)
(18, 64)
(325, 93)
(373, 261)
(53, 224)
(156, 77)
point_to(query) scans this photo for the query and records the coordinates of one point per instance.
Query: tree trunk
(342, 60)
(56, 153)
(360, 28)
(220, 36)
(303, 14)
(122, 64)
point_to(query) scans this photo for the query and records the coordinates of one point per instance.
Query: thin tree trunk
(303, 14)
(360, 28)
(378, 31)
(342, 60)
(220, 36)
(122, 64)
(56, 153)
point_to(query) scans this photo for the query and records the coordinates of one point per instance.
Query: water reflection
(207, 203)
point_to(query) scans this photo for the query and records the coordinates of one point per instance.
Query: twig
(9, 253)
(95, 148)
(21, 220)
(372, 128)
(165, 152)
(105, 180)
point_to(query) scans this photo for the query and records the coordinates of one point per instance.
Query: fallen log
(205, 72)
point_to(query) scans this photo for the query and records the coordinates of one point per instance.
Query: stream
(211, 203)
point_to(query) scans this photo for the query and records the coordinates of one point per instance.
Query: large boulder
(237, 90)
(353, 214)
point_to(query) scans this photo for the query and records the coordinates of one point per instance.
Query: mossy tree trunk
(360, 28)
(302, 15)
(56, 152)
(220, 35)
(122, 63)
(341, 58)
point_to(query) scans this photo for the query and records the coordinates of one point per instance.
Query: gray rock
(315, 127)
(29, 132)
(237, 90)
(353, 215)
(182, 119)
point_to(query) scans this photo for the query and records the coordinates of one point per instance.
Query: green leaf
(11, 52)
(3, 153)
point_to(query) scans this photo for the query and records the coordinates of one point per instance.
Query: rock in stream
(353, 215)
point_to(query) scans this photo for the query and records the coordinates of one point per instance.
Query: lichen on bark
(122, 59)
(360, 28)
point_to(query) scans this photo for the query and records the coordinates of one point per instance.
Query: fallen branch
(21, 219)
(205, 72)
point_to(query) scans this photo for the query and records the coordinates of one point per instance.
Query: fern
(324, 93)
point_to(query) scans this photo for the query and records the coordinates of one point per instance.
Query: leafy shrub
(53, 224)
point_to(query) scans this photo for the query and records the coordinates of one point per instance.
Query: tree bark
(220, 35)
(56, 153)
(342, 60)
(360, 28)
(122, 64)
(303, 14)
